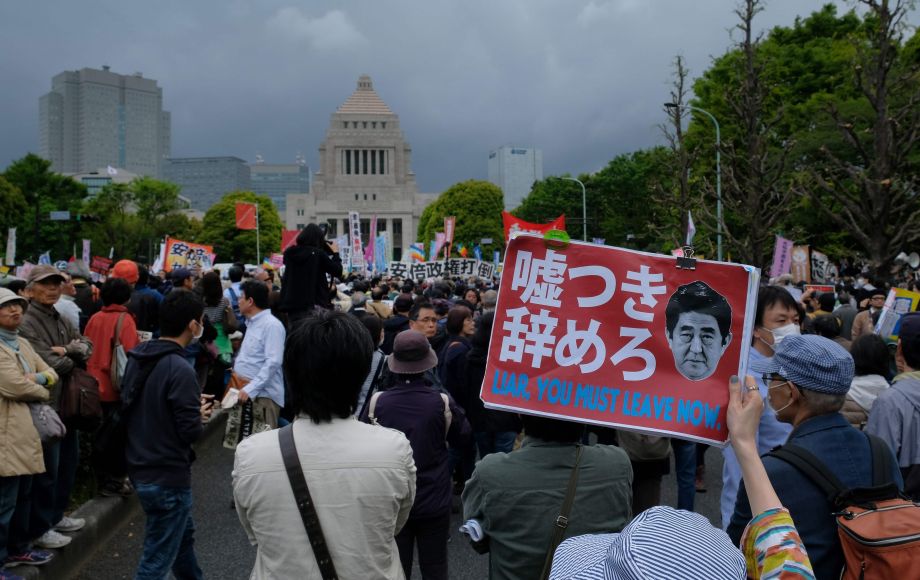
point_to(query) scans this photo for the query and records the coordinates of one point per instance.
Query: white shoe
(51, 540)
(69, 524)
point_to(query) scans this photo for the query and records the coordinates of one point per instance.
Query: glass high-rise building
(514, 170)
(93, 118)
(204, 180)
(277, 180)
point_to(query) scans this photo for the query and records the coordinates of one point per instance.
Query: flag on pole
(433, 250)
(11, 246)
(477, 252)
(45, 259)
(691, 229)
(288, 238)
(111, 170)
(449, 223)
(369, 254)
(462, 250)
(417, 252)
(246, 216)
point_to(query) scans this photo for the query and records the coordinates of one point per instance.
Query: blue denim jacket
(845, 451)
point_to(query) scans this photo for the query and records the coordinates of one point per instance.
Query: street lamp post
(718, 171)
(584, 208)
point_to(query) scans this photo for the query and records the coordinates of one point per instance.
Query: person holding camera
(307, 264)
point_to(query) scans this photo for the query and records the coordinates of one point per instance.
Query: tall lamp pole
(718, 170)
(584, 208)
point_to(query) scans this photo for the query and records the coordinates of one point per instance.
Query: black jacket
(392, 327)
(304, 285)
(162, 414)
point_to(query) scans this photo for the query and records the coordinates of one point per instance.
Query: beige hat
(43, 271)
(7, 295)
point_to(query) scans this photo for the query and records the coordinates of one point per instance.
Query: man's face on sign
(697, 345)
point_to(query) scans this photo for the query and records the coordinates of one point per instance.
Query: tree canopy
(218, 228)
(477, 206)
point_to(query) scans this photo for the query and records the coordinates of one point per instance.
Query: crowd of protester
(312, 350)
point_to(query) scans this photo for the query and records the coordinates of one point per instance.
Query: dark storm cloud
(583, 80)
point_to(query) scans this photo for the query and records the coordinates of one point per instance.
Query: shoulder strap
(562, 521)
(305, 502)
(373, 405)
(812, 468)
(233, 299)
(116, 341)
(372, 390)
(448, 416)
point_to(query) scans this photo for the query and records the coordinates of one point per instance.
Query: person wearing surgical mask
(777, 318)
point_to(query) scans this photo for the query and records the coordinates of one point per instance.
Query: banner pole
(258, 248)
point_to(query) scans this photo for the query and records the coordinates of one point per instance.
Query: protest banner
(514, 226)
(444, 268)
(801, 265)
(819, 266)
(619, 338)
(820, 288)
(782, 257)
(100, 265)
(10, 257)
(180, 254)
(898, 303)
(356, 260)
(276, 260)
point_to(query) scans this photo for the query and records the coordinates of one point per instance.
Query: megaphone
(901, 258)
(913, 260)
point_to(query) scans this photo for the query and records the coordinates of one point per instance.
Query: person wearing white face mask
(777, 318)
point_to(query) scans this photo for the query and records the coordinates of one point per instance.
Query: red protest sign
(619, 338)
(100, 265)
(514, 225)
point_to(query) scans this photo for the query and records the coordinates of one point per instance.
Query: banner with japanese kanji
(619, 338)
(514, 226)
(186, 255)
(454, 267)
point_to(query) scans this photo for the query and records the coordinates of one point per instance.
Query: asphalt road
(225, 553)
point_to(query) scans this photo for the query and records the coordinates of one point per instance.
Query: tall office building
(204, 180)
(364, 166)
(277, 180)
(514, 170)
(96, 118)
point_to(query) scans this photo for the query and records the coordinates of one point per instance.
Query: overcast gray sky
(581, 79)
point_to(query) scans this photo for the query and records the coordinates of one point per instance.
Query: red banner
(246, 214)
(619, 338)
(288, 237)
(513, 225)
(100, 265)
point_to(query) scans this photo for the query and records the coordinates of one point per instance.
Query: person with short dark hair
(698, 321)
(865, 321)
(402, 307)
(526, 487)
(257, 370)
(828, 326)
(163, 414)
(376, 305)
(430, 419)
(101, 330)
(308, 266)
(895, 414)
(361, 477)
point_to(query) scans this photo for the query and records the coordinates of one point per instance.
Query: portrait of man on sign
(698, 321)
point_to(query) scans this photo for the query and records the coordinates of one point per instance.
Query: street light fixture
(584, 208)
(718, 170)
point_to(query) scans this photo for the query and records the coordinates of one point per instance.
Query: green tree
(477, 206)
(44, 191)
(12, 206)
(218, 228)
(113, 223)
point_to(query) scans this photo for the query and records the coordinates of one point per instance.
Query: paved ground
(224, 552)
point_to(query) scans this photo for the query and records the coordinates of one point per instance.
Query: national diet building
(364, 166)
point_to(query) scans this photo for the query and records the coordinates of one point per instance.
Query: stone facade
(364, 166)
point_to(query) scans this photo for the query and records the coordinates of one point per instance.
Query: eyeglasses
(768, 378)
(427, 320)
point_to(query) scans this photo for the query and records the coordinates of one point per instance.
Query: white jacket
(362, 481)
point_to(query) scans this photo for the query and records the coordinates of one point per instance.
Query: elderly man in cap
(182, 278)
(430, 419)
(807, 382)
(895, 415)
(62, 347)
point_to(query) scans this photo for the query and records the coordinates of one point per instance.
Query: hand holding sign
(745, 405)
